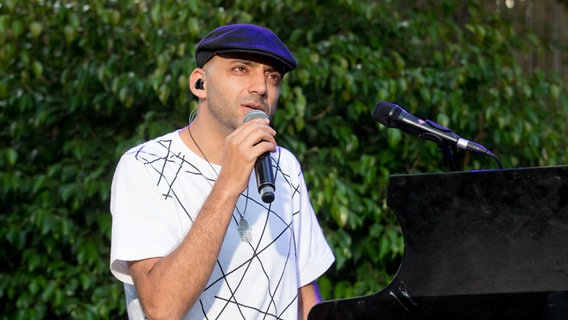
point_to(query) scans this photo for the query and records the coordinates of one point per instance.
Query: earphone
(199, 84)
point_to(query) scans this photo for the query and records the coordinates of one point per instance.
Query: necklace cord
(213, 168)
(201, 151)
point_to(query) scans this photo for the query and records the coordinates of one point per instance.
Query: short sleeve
(314, 254)
(143, 224)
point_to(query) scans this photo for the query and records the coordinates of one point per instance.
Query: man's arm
(308, 296)
(169, 286)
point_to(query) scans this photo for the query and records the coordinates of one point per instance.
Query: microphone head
(255, 114)
(385, 112)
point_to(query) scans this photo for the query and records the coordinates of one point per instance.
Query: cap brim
(205, 56)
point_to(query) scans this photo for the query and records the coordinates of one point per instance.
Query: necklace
(245, 232)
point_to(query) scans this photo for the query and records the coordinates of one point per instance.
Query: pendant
(244, 230)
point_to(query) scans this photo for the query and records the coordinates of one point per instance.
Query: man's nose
(258, 83)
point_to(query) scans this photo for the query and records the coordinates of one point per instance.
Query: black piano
(478, 245)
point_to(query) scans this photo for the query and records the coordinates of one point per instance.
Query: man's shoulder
(284, 154)
(151, 156)
(286, 160)
(157, 147)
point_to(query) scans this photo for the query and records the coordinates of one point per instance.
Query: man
(191, 237)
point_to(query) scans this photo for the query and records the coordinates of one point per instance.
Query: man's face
(238, 84)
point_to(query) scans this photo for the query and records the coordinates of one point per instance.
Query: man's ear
(197, 83)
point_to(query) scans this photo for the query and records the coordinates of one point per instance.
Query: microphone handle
(264, 177)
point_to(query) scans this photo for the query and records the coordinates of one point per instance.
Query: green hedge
(81, 81)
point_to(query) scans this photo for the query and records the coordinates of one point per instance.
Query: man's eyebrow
(269, 67)
(243, 61)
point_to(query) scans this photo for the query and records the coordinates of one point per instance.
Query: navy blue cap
(244, 38)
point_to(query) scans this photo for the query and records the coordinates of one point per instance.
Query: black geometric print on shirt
(157, 162)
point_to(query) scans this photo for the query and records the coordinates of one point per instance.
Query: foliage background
(81, 81)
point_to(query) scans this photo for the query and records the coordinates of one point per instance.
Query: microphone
(391, 115)
(263, 165)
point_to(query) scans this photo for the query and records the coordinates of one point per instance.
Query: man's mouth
(253, 106)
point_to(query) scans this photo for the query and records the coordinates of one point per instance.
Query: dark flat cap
(244, 38)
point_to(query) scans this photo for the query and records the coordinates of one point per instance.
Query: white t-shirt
(157, 191)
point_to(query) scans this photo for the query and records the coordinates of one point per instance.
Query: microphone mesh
(255, 114)
(382, 111)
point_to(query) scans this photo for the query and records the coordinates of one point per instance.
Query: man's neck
(203, 140)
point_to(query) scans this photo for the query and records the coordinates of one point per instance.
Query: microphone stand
(447, 154)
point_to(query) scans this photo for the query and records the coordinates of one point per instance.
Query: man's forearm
(169, 286)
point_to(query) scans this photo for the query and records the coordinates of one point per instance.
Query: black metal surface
(478, 245)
